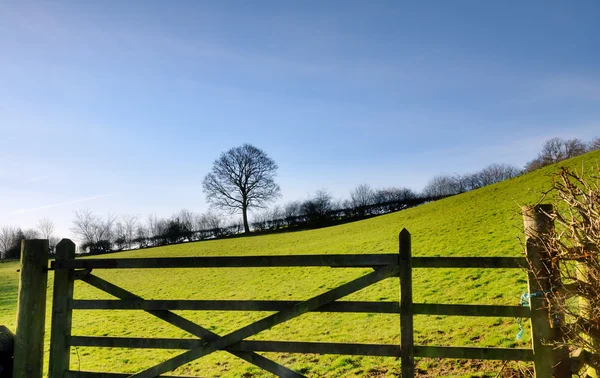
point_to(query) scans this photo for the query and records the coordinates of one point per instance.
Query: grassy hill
(484, 222)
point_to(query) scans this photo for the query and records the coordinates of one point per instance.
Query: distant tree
(176, 231)
(555, 150)
(95, 233)
(361, 198)
(8, 236)
(213, 223)
(186, 218)
(142, 236)
(536, 163)
(393, 194)
(119, 237)
(261, 220)
(291, 212)
(46, 228)
(153, 228)
(241, 178)
(14, 251)
(130, 224)
(30, 234)
(497, 172)
(277, 216)
(442, 185)
(594, 144)
(317, 208)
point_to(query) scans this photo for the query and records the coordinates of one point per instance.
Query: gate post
(543, 277)
(60, 350)
(31, 310)
(407, 354)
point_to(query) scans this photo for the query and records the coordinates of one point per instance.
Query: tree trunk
(245, 218)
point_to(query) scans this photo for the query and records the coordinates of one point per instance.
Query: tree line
(242, 179)
(553, 151)
(10, 238)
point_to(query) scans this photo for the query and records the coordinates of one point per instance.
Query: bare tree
(130, 223)
(317, 208)
(213, 222)
(261, 220)
(186, 219)
(94, 232)
(277, 216)
(442, 185)
(46, 228)
(291, 211)
(8, 235)
(241, 178)
(497, 172)
(594, 144)
(361, 197)
(31, 233)
(555, 150)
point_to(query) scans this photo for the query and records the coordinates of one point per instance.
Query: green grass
(484, 222)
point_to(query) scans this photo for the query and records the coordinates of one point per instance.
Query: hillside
(484, 222)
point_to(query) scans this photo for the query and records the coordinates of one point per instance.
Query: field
(484, 222)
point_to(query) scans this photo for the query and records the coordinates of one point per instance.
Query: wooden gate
(67, 269)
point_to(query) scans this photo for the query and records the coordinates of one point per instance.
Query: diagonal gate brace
(191, 327)
(270, 321)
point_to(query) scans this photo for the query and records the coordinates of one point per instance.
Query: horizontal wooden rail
(472, 310)
(349, 261)
(365, 260)
(469, 262)
(510, 354)
(242, 346)
(339, 306)
(513, 354)
(231, 305)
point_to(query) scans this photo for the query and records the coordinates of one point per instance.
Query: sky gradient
(122, 107)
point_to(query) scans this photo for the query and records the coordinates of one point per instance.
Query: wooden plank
(246, 346)
(510, 354)
(338, 306)
(538, 282)
(191, 327)
(61, 312)
(471, 310)
(342, 260)
(271, 321)
(469, 262)
(587, 308)
(354, 260)
(407, 355)
(31, 310)
(232, 305)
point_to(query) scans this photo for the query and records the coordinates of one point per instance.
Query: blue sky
(121, 107)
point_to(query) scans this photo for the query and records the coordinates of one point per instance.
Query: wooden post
(407, 354)
(586, 309)
(60, 351)
(546, 320)
(31, 310)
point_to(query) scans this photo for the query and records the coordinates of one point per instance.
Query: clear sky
(122, 106)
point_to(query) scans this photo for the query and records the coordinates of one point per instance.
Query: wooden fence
(67, 269)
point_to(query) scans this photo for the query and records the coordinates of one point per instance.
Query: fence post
(31, 310)
(586, 310)
(60, 351)
(546, 320)
(407, 355)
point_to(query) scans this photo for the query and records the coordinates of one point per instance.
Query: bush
(574, 245)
